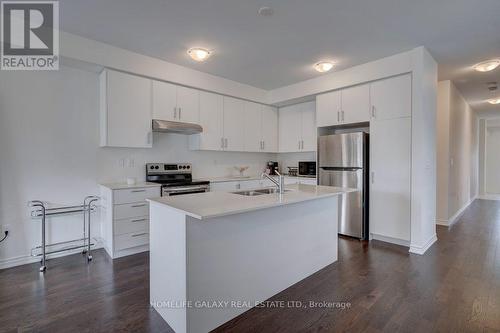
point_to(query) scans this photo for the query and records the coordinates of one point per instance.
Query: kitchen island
(215, 255)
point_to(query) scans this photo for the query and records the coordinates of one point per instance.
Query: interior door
(290, 128)
(390, 147)
(253, 127)
(188, 103)
(356, 104)
(351, 204)
(234, 124)
(211, 119)
(308, 130)
(164, 101)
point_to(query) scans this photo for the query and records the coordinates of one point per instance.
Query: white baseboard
(391, 240)
(457, 215)
(27, 259)
(422, 249)
(495, 197)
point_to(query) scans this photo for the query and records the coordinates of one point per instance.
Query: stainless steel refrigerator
(343, 162)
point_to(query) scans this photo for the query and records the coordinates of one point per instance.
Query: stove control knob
(188, 167)
(157, 167)
(152, 167)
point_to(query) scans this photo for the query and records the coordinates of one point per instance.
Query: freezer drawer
(351, 205)
(341, 150)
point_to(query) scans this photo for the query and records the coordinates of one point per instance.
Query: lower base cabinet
(125, 213)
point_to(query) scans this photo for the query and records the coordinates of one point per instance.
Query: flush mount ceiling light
(323, 66)
(487, 66)
(198, 54)
(494, 101)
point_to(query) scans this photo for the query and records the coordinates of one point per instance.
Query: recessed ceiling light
(487, 66)
(323, 66)
(494, 101)
(199, 54)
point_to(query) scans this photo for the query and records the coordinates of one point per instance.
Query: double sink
(253, 193)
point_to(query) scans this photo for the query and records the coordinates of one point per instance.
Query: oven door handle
(184, 189)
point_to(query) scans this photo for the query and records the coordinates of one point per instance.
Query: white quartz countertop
(238, 178)
(215, 204)
(121, 186)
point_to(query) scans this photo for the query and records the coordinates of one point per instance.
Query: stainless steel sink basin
(248, 193)
(262, 191)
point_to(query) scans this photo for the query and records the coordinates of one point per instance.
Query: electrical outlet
(121, 162)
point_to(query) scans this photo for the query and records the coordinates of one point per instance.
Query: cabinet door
(188, 102)
(309, 131)
(356, 104)
(164, 101)
(328, 108)
(128, 111)
(234, 124)
(290, 129)
(211, 119)
(390, 147)
(391, 98)
(270, 129)
(253, 127)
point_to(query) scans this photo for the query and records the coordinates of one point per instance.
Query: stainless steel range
(176, 179)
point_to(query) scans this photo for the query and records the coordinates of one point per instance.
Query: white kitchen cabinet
(125, 110)
(165, 101)
(188, 102)
(234, 124)
(345, 106)
(307, 181)
(225, 186)
(297, 128)
(328, 107)
(212, 121)
(125, 215)
(269, 129)
(355, 104)
(252, 128)
(391, 98)
(390, 152)
(175, 103)
(308, 128)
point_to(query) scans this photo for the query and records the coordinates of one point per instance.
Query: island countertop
(215, 204)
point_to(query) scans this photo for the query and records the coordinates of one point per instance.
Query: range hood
(165, 126)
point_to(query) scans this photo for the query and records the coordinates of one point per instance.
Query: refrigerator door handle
(373, 177)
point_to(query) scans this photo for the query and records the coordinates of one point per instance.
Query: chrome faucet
(280, 183)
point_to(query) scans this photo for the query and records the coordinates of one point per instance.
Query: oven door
(180, 190)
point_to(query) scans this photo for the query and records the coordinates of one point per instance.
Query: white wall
(49, 150)
(492, 157)
(458, 153)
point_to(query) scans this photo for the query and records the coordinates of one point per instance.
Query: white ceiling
(271, 52)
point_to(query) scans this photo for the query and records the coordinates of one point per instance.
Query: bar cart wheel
(89, 258)
(43, 269)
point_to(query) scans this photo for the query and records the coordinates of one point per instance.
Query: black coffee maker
(272, 167)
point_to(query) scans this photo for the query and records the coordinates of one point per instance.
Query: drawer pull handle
(138, 191)
(141, 234)
(138, 220)
(137, 206)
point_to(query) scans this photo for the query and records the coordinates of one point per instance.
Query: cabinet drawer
(135, 194)
(135, 209)
(131, 225)
(128, 241)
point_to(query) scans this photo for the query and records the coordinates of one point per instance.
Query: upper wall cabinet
(391, 98)
(261, 128)
(175, 103)
(125, 110)
(346, 106)
(297, 128)
(269, 129)
(234, 124)
(211, 119)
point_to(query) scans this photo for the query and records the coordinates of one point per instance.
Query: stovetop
(170, 175)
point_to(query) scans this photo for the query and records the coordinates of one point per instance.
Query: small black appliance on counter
(272, 167)
(307, 169)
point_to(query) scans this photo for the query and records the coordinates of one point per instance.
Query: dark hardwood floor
(454, 287)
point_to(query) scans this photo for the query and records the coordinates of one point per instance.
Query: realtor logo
(30, 35)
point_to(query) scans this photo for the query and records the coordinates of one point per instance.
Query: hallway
(455, 287)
